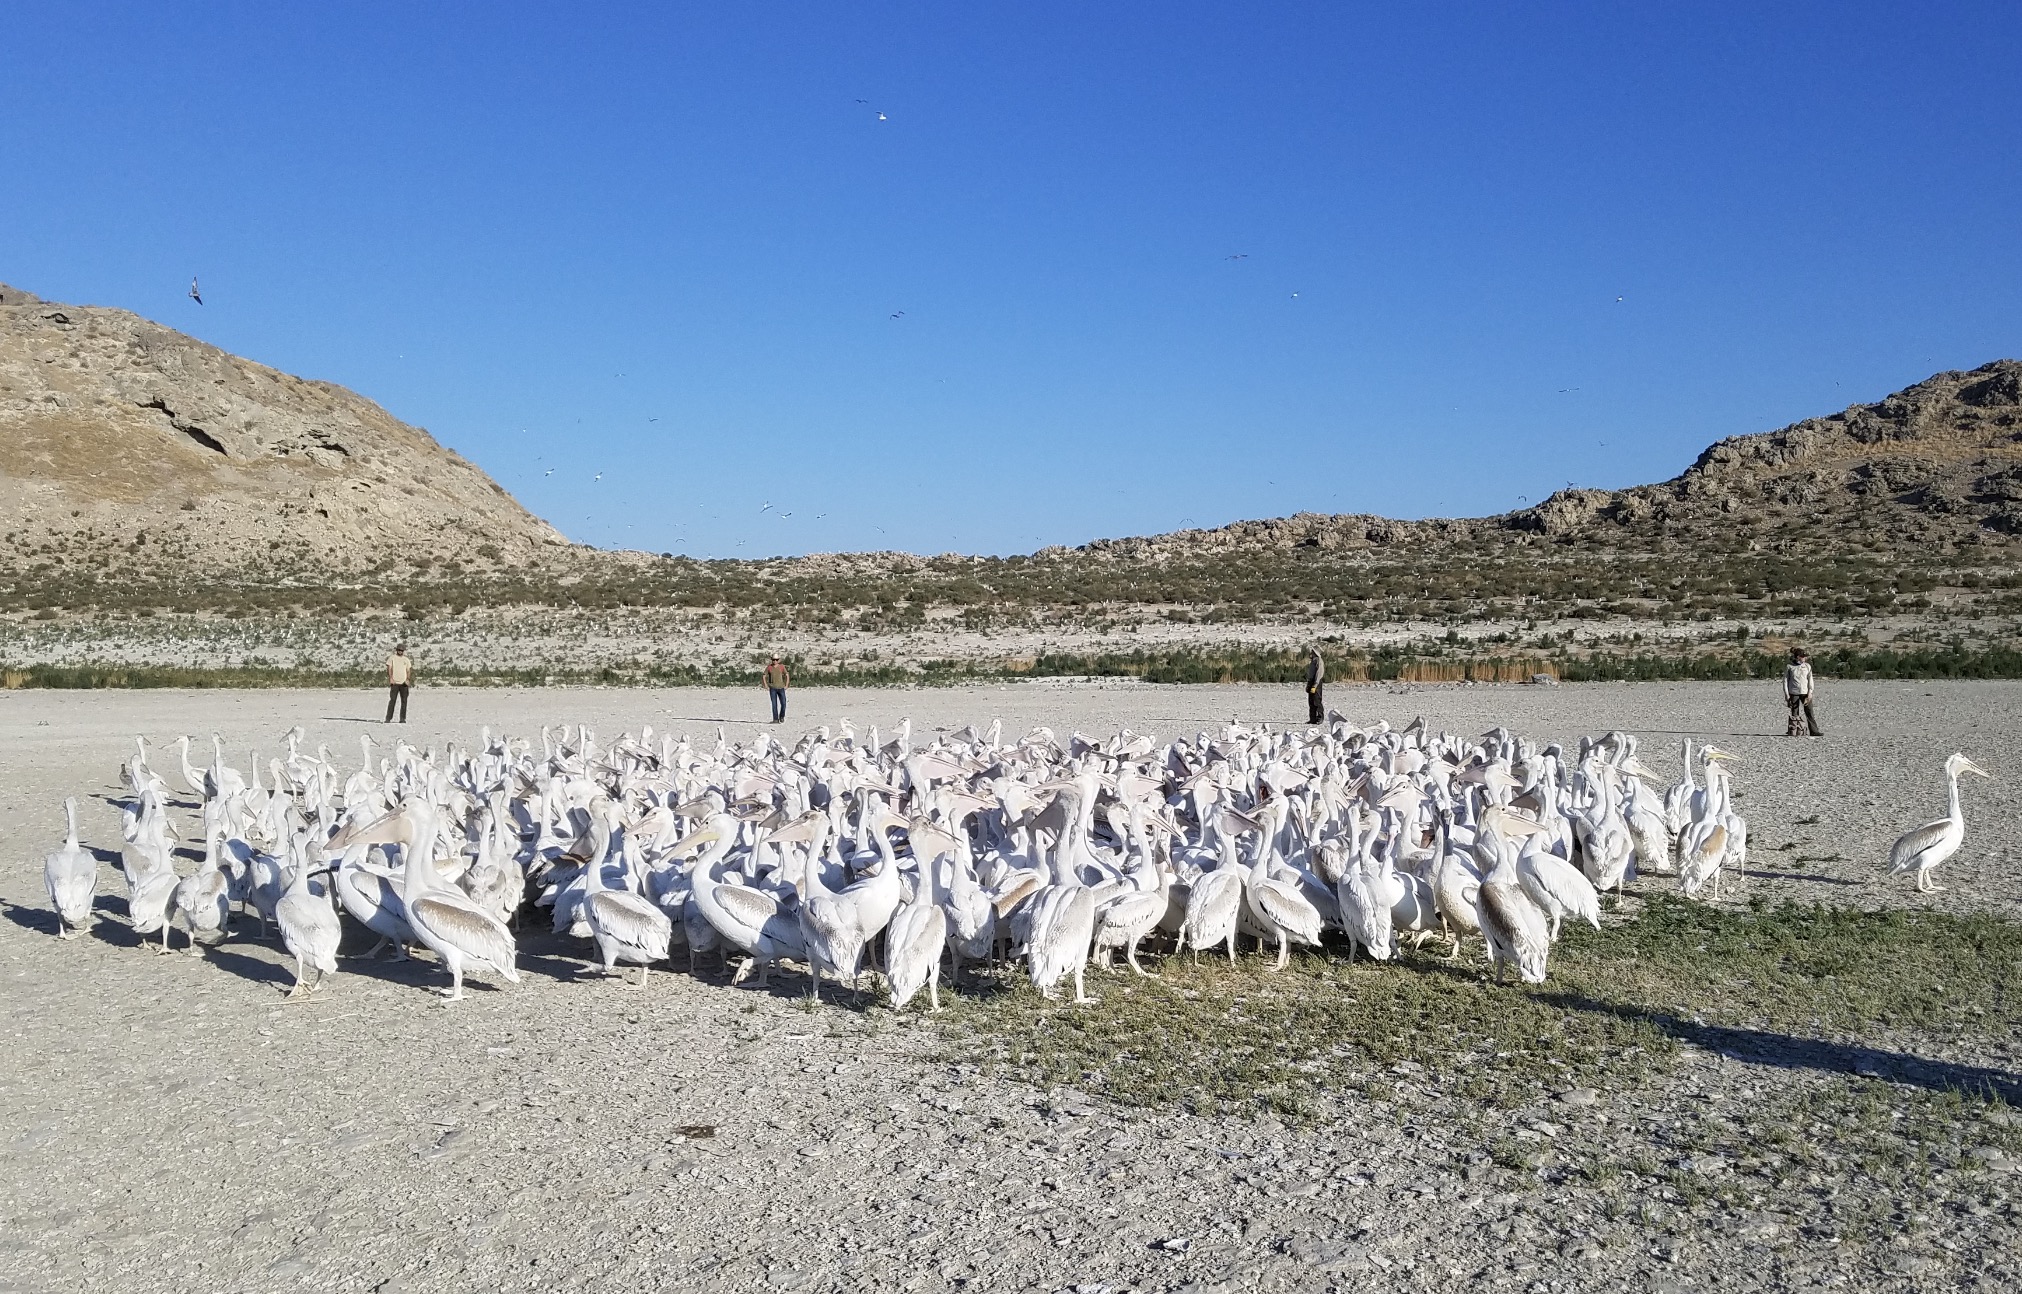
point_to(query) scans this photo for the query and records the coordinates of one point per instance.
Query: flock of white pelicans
(845, 849)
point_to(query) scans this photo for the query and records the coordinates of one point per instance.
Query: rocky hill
(1938, 463)
(144, 471)
(128, 444)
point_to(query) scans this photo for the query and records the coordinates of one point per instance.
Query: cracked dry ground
(167, 1123)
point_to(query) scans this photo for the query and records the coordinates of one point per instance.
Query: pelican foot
(1085, 1000)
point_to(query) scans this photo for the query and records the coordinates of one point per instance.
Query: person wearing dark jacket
(1316, 677)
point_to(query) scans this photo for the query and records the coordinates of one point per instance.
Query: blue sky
(1152, 266)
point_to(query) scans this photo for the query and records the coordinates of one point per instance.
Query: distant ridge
(1938, 462)
(126, 446)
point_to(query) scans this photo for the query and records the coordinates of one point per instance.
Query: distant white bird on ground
(1922, 850)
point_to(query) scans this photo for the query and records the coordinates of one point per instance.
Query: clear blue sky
(1486, 250)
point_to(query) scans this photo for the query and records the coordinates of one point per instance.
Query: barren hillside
(143, 471)
(126, 443)
(1936, 463)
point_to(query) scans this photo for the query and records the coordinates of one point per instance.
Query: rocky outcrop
(1939, 462)
(128, 442)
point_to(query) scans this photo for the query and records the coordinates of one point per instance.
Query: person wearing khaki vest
(775, 684)
(399, 678)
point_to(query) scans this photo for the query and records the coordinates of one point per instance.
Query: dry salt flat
(166, 1123)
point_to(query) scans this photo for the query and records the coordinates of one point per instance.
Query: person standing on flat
(1797, 695)
(1316, 677)
(399, 678)
(775, 683)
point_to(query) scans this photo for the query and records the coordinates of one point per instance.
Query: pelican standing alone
(1922, 850)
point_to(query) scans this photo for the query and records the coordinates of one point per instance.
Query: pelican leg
(374, 950)
(934, 986)
(644, 970)
(1232, 948)
(301, 988)
(1130, 955)
(1081, 997)
(1284, 951)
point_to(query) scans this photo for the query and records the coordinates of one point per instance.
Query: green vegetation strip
(1212, 1039)
(1191, 665)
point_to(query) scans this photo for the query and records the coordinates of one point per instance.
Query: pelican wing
(1287, 909)
(476, 933)
(746, 905)
(1903, 855)
(1521, 922)
(1562, 884)
(631, 921)
(1140, 908)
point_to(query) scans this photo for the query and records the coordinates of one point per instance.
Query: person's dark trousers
(1316, 711)
(396, 695)
(1802, 704)
(778, 704)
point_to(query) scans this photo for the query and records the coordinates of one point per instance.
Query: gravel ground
(167, 1123)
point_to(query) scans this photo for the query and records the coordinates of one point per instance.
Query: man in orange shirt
(775, 683)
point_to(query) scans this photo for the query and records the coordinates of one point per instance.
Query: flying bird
(883, 117)
(598, 477)
(1237, 256)
(549, 472)
(194, 294)
(898, 314)
(766, 508)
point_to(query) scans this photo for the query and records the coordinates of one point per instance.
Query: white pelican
(309, 927)
(1513, 926)
(1214, 905)
(914, 941)
(204, 899)
(1714, 833)
(626, 925)
(72, 875)
(751, 920)
(444, 918)
(374, 903)
(1921, 851)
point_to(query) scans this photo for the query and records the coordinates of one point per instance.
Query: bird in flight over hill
(195, 295)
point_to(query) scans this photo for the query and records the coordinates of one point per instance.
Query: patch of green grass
(1212, 1039)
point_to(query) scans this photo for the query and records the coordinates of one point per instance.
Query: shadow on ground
(1788, 1051)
